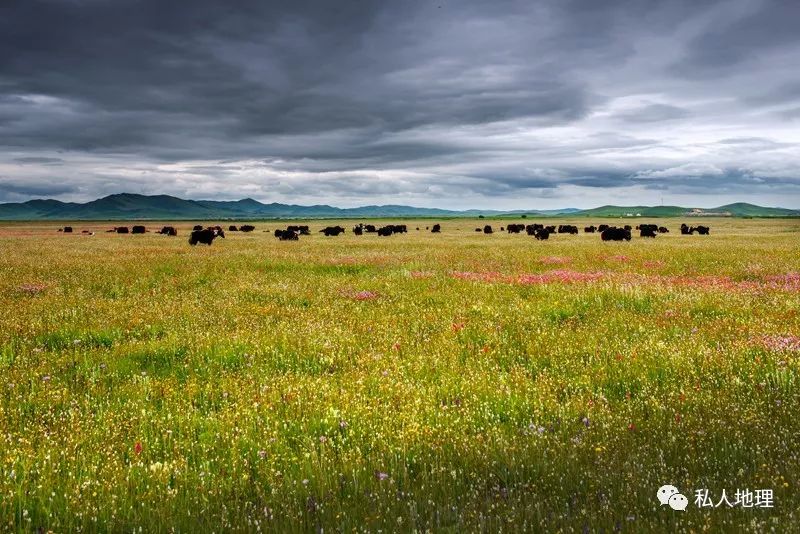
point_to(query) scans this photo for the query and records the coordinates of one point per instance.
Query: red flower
(457, 327)
(631, 427)
(137, 448)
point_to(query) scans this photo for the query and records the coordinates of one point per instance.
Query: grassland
(457, 382)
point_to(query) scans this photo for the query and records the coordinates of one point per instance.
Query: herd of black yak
(207, 235)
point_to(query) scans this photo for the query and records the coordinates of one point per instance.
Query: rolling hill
(127, 206)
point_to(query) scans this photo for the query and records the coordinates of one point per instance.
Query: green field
(459, 382)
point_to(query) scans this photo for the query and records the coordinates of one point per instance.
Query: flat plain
(454, 381)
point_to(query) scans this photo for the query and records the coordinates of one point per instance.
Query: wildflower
(46, 378)
(342, 424)
(76, 341)
(137, 448)
(380, 475)
(631, 427)
(365, 295)
(262, 454)
(586, 422)
(323, 439)
(457, 327)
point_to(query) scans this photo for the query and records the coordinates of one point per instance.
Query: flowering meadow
(419, 382)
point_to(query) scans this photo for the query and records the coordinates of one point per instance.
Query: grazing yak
(488, 229)
(66, 229)
(121, 229)
(567, 229)
(392, 229)
(247, 228)
(232, 228)
(358, 229)
(168, 230)
(370, 228)
(531, 228)
(515, 228)
(138, 230)
(437, 228)
(197, 227)
(542, 234)
(663, 230)
(287, 235)
(205, 236)
(602, 228)
(590, 229)
(647, 232)
(301, 230)
(702, 230)
(332, 230)
(615, 234)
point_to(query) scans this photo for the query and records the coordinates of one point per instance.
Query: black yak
(615, 234)
(168, 230)
(646, 231)
(332, 230)
(232, 228)
(542, 234)
(515, 228)
(197, 227)
(487, 229)
(121, 229)
(247, 228)
(205, 236)
(590, 229)
(138, 229)
(66, 230)
(567, 229)
(301, 230)
(437, 228)
(358, 229)
(287, 235)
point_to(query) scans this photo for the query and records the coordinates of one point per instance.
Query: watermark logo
(670, 495)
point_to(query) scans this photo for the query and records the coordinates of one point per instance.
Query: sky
(495, 104)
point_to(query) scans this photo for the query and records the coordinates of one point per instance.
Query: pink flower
(787, 343)
(365, 295)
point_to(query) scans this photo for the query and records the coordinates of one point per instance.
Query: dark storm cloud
(11, 190)
(418, 100)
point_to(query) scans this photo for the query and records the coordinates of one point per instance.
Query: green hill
(127, 206)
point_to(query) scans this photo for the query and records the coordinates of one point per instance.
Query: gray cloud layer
(455, 104)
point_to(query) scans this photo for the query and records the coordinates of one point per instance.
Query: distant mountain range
(127, 206)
